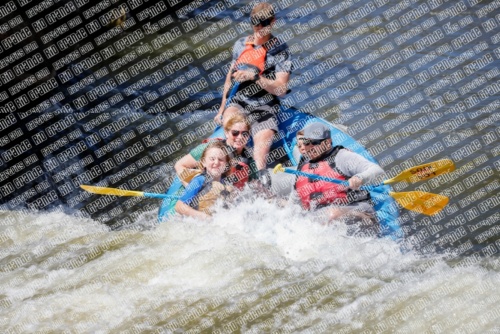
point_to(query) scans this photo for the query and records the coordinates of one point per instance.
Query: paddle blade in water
(424, 172)
(111, 191)
(420, 201)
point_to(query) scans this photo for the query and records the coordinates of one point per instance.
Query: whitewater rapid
(255, 268)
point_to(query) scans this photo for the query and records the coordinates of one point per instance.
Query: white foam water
(255, 268)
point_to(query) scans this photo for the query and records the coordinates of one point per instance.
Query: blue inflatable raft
(291, 121)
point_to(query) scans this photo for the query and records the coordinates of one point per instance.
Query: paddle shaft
(417, 173)
(231, 94)
(122, 192)
(324, 178)
(153, 195)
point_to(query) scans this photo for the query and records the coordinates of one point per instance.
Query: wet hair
(215, 144)
(237, 118)
(263, 10)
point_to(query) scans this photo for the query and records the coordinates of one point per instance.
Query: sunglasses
(236, 133)
(256, 21)
(314, 142)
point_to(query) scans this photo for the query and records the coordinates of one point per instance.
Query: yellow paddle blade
(420, 201)
(111, 191)
(278, 168)
(424, 172)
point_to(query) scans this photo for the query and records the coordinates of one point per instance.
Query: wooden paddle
(418, 201)
(122, 192)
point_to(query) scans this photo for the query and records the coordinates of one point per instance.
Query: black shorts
(260, 118)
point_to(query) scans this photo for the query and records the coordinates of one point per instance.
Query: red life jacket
(322, 193)
(239, 171)
(238, 174)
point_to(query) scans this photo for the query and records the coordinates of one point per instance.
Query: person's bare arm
(186, 161)
(186, 210)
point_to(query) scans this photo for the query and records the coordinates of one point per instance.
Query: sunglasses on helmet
(256, 21)
(306, 141)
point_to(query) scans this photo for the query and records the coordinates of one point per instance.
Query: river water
(413, 81)
(256, 269)
(253, 269)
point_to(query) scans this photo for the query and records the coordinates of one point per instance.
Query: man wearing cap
(324, 159)
(261, 68)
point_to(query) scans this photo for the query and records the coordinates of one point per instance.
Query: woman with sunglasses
(261, 70)
(323, 159)
(242, 166)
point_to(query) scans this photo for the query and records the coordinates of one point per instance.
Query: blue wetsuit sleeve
(192, 189)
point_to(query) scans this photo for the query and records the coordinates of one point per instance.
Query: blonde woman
(242, 166)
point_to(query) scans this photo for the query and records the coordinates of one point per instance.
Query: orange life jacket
(322, 193)
(252, 57)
